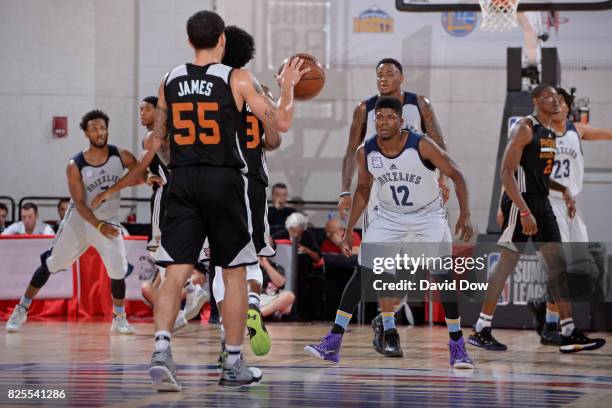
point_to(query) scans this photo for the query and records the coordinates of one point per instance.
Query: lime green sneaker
(259, 339)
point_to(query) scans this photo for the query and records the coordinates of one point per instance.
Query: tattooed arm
(432, 129)
(277, 116)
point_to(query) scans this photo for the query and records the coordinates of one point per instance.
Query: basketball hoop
(498, 15)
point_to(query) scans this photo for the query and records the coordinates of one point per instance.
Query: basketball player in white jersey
(418, 114)
(157, 177)
(568, 170)
(403, 164)
(89, 172)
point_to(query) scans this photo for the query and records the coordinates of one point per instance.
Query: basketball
(312, 82)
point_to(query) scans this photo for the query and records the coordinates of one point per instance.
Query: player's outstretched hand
(464, 227)
(109, 231)
(530, 226)
(344, 206)
(291, 72)
(95, 203)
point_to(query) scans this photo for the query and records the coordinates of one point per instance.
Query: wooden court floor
(95, 368)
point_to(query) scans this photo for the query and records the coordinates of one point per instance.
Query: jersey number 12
(401, 190)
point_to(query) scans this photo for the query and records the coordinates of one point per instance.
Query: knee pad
(218, 286)
(253, 272)
(118, 288)
(40, 277)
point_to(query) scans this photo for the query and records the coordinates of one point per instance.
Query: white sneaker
(17, 319)
(121, 325)
(194, 302)
(180, 321)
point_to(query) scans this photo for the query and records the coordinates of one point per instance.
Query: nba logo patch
(377, 162)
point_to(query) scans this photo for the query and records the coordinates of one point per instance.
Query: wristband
(100, 224)
(524, 213)
(345, 193)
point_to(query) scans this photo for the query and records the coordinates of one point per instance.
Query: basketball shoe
(239, 374)
(485, 340)
(259, 339)
(379, 331)
(550, 336)
(17, 319)
(194, 302)
(180, 321)
(459, 357)
(391, 344)
(577, 341)
(121, 325)
(163, 371)
(328, 349)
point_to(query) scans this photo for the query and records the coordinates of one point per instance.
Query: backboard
(524, 5)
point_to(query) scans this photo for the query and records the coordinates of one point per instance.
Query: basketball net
(498, 15)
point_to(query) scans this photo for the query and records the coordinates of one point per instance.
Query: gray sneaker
(163, 371)
(180, 321)
(194, 302)
(239, 374)
(17, 319)
(121, 325)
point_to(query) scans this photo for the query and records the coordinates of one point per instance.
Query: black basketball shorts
(207, 202)
(258, 204)
(512, 232)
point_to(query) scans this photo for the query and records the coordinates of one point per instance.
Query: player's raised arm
(429, 150)
(277, 116)
(520, 136)
(362, 195)
(77, 193)
(588, 132)
(356, 135)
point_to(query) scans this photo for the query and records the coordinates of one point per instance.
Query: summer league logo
(373, 20)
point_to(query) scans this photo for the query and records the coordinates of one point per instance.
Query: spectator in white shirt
(29, 223)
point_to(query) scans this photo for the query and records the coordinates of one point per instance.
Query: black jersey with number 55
(204, 125)
(253, 146)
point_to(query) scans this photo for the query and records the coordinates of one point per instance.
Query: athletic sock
(233, 354)
(118, 310)
(454, 328)
(567, 327)
(189, 286)
(341, 322)
(253, 299)
(483, 321)
(162, 340)
(388, 319)
(25, 302)
(551, 316)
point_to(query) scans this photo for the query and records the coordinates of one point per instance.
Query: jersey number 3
(213, 136)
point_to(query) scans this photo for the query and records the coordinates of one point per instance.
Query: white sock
(253, 299)
(162, 340)
(567, 326)
(233, 354)
(483, 321)
(190, 287)
(25, 302)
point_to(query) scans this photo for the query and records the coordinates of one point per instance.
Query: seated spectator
(309, 280)
(62, 208)
(334, 230)
(29, 223)
(3, 214)
(278, 212)
(295, 230)
(274, 301)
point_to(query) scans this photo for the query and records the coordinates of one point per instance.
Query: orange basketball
(312, 82)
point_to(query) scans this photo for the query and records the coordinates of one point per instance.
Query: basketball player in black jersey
(417, 113)
(525, 175)
(199, 109)
(259, 137)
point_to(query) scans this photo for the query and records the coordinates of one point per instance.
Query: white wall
(65, 57)
(60, 58)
